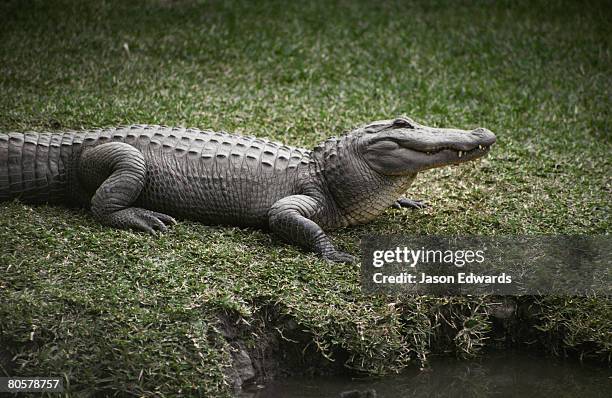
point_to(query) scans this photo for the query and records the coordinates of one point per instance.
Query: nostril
(484, 134)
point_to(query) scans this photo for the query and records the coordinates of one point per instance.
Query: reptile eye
(401, 122)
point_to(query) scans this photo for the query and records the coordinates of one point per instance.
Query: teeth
(460, 153)
(479, 146)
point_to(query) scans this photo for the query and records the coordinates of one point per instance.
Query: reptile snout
(483, 135)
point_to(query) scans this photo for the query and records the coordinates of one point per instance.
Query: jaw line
(444, 157)
(463, 147)
(448, 156)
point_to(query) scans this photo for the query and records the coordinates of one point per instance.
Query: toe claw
(409, 203)
(340, 257)
(139, 219)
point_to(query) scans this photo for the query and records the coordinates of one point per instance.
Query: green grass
(122, 312)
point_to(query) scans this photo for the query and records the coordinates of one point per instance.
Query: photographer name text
(413, 257)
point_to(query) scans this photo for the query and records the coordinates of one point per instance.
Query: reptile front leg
(290, 219)
(409, 203)
(117, 173)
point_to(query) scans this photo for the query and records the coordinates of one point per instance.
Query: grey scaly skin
(140, 177)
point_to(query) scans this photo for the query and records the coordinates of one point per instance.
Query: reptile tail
(31, 168)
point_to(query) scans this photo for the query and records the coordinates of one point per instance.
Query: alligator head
(403, 147)
(369, 168)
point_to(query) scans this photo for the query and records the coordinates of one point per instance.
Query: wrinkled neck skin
(359, 193)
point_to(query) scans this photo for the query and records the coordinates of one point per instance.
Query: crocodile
(142, 177)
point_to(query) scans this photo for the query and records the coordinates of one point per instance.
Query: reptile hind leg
(117, 173)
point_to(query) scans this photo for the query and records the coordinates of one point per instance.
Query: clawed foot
(409, 203)
(140, 219)
(339, 257)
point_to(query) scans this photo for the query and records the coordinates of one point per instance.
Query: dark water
(510, 374)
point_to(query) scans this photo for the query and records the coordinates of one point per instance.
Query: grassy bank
(123, 312)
